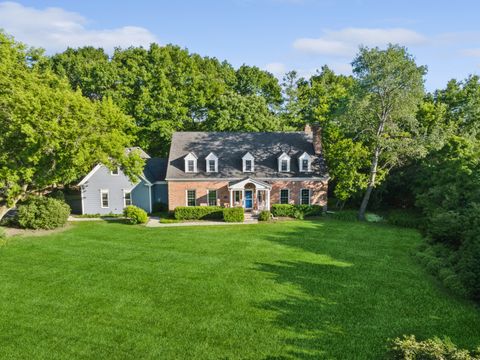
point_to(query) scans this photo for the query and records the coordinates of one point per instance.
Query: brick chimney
(316, 131)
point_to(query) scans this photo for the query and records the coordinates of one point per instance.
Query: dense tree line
(384, 136)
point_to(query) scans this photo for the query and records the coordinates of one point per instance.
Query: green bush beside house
(234, 214)
(40, 212)
(135, 215)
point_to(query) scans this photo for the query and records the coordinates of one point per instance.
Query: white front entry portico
(250, 194)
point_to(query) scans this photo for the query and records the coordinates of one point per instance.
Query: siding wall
(103, 179)
(141, 196)
(160, 194)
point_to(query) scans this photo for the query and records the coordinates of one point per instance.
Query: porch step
(250, 217)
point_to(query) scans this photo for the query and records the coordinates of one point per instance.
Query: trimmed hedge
(282, 210)
(198, 212)
(234, 214)
(296, 211)
(40, 212)
(135, 215)
(264, 215)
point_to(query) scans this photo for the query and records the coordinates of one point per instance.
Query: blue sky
(277, 35)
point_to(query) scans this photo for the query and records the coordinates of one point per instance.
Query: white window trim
(209, 158)
(104, 191)
(280, 196)
(186, 197)
(246, 157)
(125, 192)
(281, 158)
(309, 196)
(118, 172)
(300, 160)
(191, 157)
(208, 197)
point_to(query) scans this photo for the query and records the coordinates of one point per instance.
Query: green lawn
(299, 289)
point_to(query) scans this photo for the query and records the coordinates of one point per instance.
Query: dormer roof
(231, 148)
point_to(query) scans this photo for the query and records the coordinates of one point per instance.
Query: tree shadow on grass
(308, 315)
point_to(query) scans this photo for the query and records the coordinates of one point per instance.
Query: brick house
(252, 170)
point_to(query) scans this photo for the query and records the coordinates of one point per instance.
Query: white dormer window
(191, 163)
(211, 163)
(248, 164)
(115, 171)
(305, 162)
(284, 163)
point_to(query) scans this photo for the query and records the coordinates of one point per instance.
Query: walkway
(154, 222)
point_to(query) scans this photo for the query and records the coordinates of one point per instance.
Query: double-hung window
(284, 165)
(104, 198)
(211, 165)
(127, 198)
(248, 165)
(305, 197)
(305, 165)
(191, 166)
(191, 198)
(212, 197)
(284, 196)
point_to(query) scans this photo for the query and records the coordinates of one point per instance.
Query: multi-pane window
(305, 197)
(191, 198)
(211, 165)
(237, 196)
(212, 197)
(305, 165)
(191, 166)
(104, 198)
(284, 196)
(284, 165)
(127, 198)
(248, 165)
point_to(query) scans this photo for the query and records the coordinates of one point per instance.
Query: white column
(268, 199)
(243, 198)
(231, 198)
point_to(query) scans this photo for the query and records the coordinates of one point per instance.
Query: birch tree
(390, 88)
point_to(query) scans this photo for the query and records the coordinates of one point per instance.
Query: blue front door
(248, 199)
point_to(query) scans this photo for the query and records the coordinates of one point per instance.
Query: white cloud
(345, 42)
(55, 29)
(276, 68)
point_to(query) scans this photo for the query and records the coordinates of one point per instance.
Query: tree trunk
(3, 210)
(371, 184)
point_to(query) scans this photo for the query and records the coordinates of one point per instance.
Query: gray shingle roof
(155, 169)
(266, 147)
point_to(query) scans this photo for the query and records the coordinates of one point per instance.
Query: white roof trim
(258, 184)
(248, 156)
(284, 156)
(145, 179)
(305, 155)
(211, 156)
(89, 175)
(191, 156)
(310, 178)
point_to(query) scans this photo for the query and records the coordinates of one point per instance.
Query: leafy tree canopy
(51, 135)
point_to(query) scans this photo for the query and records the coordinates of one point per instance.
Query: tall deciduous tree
(388, 93)
(324, 98)
(49, 134)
